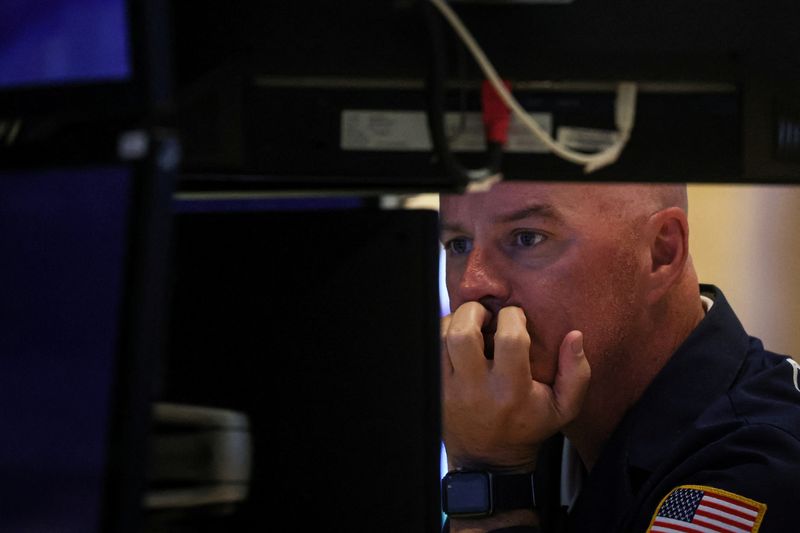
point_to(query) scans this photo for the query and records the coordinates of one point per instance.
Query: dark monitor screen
(318, 319)
(71, 266)
(58, 42)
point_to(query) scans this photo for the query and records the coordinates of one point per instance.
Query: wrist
(509, 519)
(497, 464)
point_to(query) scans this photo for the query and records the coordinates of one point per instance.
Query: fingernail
(577, 345)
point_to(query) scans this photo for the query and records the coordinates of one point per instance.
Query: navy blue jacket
(723, 413)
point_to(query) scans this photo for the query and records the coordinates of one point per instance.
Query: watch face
(467, 494)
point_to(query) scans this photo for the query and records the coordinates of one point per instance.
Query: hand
(494, 415)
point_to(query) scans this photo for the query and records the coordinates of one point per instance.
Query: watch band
(513, 491)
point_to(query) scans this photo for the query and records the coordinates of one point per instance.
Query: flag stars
(682, 504)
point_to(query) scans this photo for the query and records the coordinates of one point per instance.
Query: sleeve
(746, 482)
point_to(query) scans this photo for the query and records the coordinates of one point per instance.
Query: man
(577, 311)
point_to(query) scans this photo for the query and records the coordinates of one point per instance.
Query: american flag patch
(694, 508)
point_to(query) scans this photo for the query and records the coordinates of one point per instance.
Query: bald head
(633, 202)
(655, 197)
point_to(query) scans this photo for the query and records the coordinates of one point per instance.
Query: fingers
(493, 411)
(512, 345)
(447, 366)
(464, 339)
(463, 342)
(572, 378)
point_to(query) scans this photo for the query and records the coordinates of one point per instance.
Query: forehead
(560, 202)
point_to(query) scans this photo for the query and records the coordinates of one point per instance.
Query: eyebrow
(535, 210)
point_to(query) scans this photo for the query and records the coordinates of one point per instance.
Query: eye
(527, 239)
(458, 246)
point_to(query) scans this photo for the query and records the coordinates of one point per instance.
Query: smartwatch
(474, 494)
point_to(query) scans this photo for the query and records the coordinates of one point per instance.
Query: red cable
(496, 115)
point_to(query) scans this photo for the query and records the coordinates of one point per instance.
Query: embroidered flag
(693, 508)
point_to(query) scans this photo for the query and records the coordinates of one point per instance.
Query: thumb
(572, 378)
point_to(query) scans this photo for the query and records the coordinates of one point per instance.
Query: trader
(577, 312)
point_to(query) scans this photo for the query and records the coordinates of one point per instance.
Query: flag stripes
(698, 509)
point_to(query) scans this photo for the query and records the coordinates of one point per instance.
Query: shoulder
(749, 477)
(740, 466)
(758, 416)
(767, 391)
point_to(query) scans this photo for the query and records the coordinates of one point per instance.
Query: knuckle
(512, 340)
(457, 336)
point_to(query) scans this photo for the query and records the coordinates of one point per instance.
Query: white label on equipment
(407, 131)
(384, 130)
(586, 139)
(522, 140)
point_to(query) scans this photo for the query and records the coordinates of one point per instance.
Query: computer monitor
(318, 319)
(83, 251)
(58, 43)
(82, 60)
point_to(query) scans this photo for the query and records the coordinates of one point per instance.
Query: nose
(483, 280)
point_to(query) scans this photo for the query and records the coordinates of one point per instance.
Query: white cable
(624, 114)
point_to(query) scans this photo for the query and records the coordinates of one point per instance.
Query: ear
(668, 234)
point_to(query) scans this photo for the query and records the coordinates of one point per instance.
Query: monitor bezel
(142, 331)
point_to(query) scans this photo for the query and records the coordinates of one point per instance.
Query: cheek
(451, 280)
(607, 312)
(557, 305)
(548, 323)
(582, 296)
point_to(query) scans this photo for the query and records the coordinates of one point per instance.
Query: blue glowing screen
(58, 42)
(63, 238)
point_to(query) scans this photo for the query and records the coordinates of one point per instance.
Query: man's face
(565, 253)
